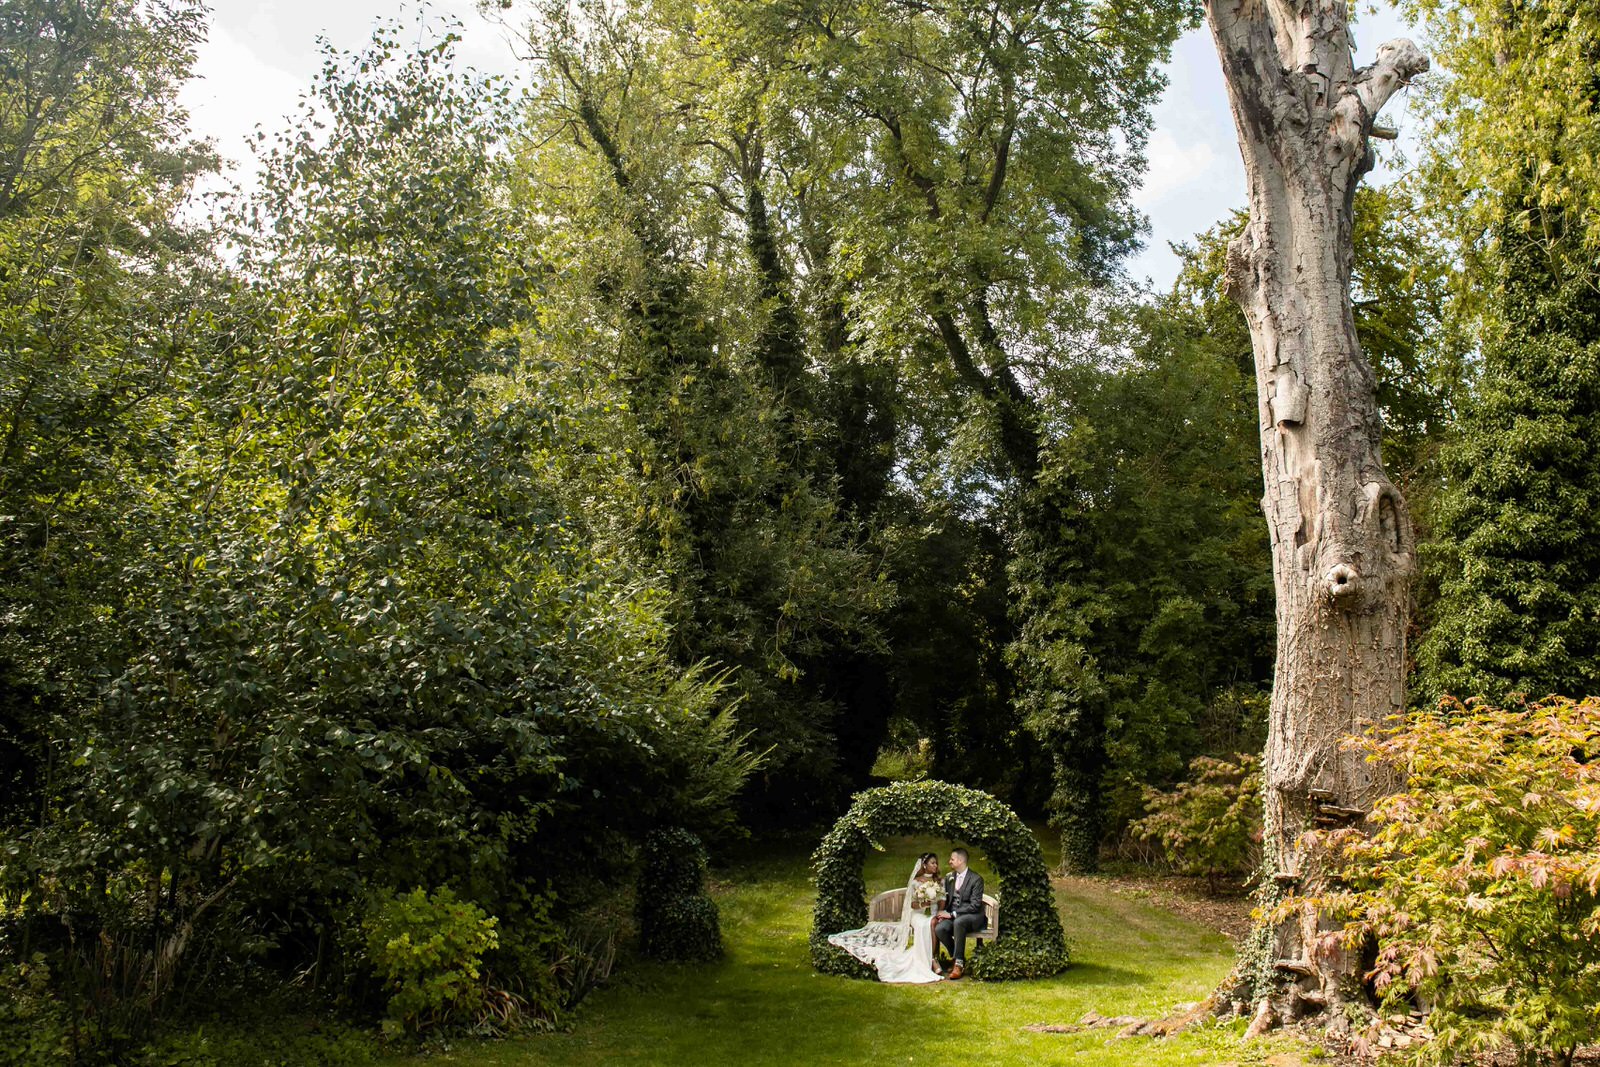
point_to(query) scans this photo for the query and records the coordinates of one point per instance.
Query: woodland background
(756, 408)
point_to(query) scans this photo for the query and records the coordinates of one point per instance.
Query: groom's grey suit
(966, 904)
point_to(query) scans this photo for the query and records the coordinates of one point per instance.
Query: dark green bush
(677, 918)
(34, 1028)
(1031, 943)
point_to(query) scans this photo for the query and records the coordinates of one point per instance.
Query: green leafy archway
(1031, 944)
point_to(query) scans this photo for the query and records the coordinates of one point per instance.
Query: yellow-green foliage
(1210, 824)
(1516, 116)
(1481, 882)
(428, 949)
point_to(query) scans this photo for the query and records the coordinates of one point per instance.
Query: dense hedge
(1030, 945)
(677, 918)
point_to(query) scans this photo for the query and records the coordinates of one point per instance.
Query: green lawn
(764, 1004)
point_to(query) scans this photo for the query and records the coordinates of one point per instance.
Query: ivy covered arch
(1031, 944)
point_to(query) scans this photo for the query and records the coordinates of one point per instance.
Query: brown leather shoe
(955, 972)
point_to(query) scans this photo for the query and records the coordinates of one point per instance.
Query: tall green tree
(105, 302)
(698, 324)
(1148, 617)
(925, 184)
(1511, 169)
(1518, 608)
(1513, 137)
(382, 631)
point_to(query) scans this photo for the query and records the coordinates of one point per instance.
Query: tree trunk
(1342, 544)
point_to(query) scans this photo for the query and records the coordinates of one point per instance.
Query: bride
(902, 951)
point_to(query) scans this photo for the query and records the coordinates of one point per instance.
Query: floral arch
(1031, 943)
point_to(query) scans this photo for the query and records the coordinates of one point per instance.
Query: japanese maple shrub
(1210, 824)
(1480, 883)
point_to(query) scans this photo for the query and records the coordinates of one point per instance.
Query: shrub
(1481, 882)
(1031, 943)
(1210, 825)
(677, 918)
(34, 1028)
(428, 949)
(908, 762)
(527, 974)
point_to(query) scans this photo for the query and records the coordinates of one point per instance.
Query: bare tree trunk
(1342, 543)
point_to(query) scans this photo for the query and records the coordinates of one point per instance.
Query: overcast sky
(262, 54)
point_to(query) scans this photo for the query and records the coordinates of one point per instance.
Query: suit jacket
(969, 900)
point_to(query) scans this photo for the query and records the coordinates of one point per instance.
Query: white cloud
(1175, 168)
(233, 92)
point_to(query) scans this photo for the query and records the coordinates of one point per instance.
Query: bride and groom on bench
(927, 913)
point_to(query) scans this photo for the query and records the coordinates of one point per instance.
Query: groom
(962, 913)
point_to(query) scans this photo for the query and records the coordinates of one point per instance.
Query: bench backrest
(885, 907)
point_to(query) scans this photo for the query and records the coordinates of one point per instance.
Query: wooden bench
(885, 907)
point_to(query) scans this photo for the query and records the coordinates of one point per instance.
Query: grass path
(765, 1005)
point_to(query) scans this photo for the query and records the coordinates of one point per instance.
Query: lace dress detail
(902, 951)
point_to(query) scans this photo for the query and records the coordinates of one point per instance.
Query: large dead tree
(1342, 543)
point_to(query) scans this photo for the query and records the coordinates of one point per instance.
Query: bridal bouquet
(925, 895)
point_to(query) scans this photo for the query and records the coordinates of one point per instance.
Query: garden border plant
(1031, 943)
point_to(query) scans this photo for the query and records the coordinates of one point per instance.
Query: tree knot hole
(1341, 581)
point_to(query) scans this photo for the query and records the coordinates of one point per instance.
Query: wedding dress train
(901, 951)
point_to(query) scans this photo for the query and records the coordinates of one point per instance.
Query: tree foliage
(373, 626)
(1513, 135)
(533, 474)
(105, 303)
(1514, 556)
(1512, 561)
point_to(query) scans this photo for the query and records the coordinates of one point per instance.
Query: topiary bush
(677, 917)
(1031, 943)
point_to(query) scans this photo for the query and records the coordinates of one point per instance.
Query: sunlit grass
(764, 1004)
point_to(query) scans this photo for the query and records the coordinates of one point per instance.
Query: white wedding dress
(901, 951)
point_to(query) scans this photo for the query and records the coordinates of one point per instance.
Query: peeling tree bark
(1342, 541)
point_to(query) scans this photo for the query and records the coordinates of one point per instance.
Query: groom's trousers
(953, 934)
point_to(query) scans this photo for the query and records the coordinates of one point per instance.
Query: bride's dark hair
(922, 860)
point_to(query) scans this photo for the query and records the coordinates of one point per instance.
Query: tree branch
(1398, 62)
